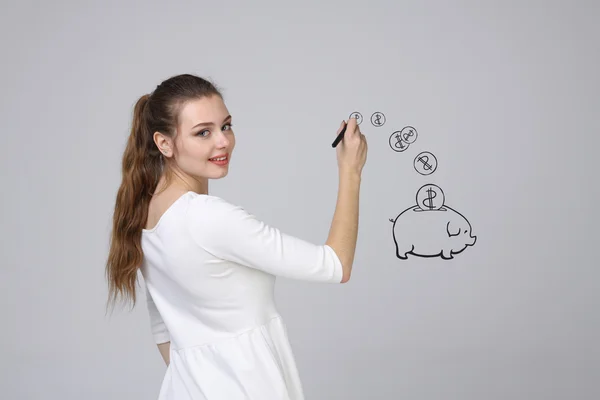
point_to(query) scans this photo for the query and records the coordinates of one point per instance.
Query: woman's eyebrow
(209, 123)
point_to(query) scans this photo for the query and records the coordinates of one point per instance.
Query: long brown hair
(142, 167)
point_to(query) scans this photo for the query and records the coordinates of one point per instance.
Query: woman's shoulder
(209, 217)
(210, 204)
(201, 198)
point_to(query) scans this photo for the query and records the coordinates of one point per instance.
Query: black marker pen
(340, 136)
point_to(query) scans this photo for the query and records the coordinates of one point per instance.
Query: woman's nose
(222, 140)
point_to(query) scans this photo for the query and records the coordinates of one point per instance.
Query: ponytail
(140, 174)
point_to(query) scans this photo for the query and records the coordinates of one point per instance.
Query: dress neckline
(155, 227)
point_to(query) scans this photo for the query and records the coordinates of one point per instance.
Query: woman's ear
(163, 143)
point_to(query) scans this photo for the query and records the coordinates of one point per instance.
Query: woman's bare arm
(164, 349)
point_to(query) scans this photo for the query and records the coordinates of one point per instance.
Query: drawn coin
(358, 117)
(408, 134)
(378, 119)
(396, 142)
(425, 163)
(430, 197)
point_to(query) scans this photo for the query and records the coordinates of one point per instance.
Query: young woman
(209, 266)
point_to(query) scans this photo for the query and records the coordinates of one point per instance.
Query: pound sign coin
(430, 197)
(358, 117)
(408, 134)
(378, 119)
(396, 142)
(425, 163)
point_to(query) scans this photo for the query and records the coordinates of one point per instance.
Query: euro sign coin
(358, 116)
(425, 163)
(378, 119)
(409, 134)
(430, 197)
(396, 142)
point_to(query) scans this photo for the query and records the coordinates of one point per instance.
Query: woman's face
(204, 133)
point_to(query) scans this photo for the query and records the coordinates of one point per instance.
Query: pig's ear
(449, 230)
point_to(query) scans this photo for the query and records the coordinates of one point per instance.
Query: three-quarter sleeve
(231, 233)
(158, 328)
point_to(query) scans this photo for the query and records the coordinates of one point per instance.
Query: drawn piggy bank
(431, 233)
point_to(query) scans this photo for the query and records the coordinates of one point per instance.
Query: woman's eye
(207, 131)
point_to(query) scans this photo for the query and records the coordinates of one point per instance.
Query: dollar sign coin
(409, 134)
(358, 117)
(430, 197)
(378, 119)
(396, 142)
(425, 163)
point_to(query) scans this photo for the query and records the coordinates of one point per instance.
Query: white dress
(209, 270)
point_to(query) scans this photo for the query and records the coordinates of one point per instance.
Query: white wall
(503, 94)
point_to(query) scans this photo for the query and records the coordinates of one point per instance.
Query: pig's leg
(405, 255)
(447, 254)
(402, 256)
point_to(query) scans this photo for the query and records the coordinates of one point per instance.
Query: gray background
(505, 94)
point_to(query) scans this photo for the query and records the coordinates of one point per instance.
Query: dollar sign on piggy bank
(431, 233)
